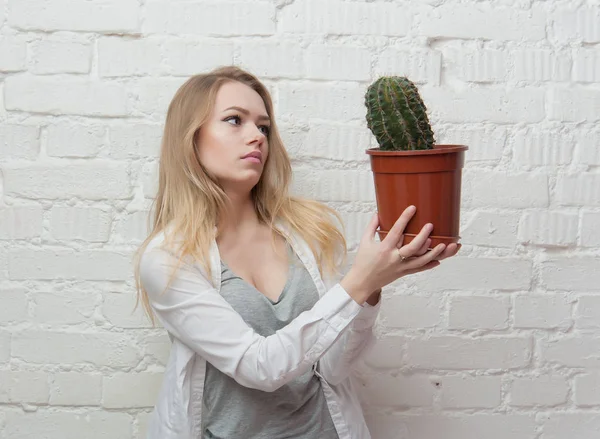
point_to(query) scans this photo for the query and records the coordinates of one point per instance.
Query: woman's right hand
(378, 264)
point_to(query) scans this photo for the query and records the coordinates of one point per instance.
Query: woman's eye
(236, 118)
(265, 129)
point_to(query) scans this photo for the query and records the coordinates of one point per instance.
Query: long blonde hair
(189, 200)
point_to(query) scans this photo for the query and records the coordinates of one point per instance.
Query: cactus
(397, 115)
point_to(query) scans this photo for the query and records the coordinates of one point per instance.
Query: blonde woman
(243, 277)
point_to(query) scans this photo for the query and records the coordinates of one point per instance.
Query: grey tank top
(298, 409)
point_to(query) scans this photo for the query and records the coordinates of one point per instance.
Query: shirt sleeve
(192, 310)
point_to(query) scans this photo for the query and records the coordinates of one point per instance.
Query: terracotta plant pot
(428, 179)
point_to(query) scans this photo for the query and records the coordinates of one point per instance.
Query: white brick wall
(501, 342)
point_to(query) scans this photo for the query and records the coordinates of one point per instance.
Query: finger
(419, 241)
(371, 228)
(397, 229)
(450, 251)
(424, 248)
(420, 261)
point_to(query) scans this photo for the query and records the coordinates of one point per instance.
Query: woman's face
(237, 127)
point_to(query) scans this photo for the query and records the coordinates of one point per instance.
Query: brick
(542, 311)
(132, 227)
(131, 390)
(572, 351)
(468, 22)
(460, 392)
(578, 189)
(118, 309)
(504, 189)
(421, 66)
(336, 17)
(4, 346)
(538, 391)
(73, 140)
(153, 96)
(65, 424)
(20, 222)
(586, 66)
(51, 347)
(69, 264)
(533, 149)
(3, 264)
(482, 66)
(485, 144)
(128, 57)
(74, 95)
(489, 229)
(51, 57)
(134, 140)
(586, 389)
(338, 63)
(150, 179)
(19, 141)
(355, 224)
(540, 65)
(387, 352)
(570, 274)
(14, 306)
(502, 274)
(587, 312)
(94, 181)
(279, 59)
(13, 53)
(337, 185)
(142, 424)
(399, 391)
(577, 25)
(588, 149)
(186, 57)
(484, 105)
(412, 312)
(23, 387)
(548, 228)
(574, 104)
(63, 307)
(156, 347)
(88, 224)
(571, 425)
(478, 313)
(75, 389)
(212, 18)
(460, 353)
(590, 232)
(111, 17)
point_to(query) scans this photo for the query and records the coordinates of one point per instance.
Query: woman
(241, 275)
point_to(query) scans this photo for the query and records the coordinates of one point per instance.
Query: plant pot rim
(437, 149)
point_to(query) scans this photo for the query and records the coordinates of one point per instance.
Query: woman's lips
(252, 159)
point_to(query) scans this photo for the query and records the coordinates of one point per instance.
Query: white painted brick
(338, 62)
(574, 104)
(460, 392)
(493, 274)
(542, 149)
(154, 95)
(68, 264)
(63, 307)
(470, 22)
(74, 388)
(485, 144)
(488, 65)
(128, 57)
(118, 309)
(22, 222)
(505, 189)
(111, 16)
(2, 16)
(337, 185)
(50, 347)
(134, 141)
(128, 390)
(23, 387)
(587, 312)
(540, 65)
(586, 389)
(157, 347)
(73, 95)
(387, 352)
(66, 424)
(484, 105)
(5, 342)
(150, 179)
(571, 274)
(399, 391)
(273, 59)
(586, 66)
(490, 229)
(538, 391)
(411, 312)
(51, 57)
(133, 227)
(572, 425)
(74, 140)
(213, 18)
(471, 312)
(336, 17)
(548, 228)
(421, 66)
(455, 353)
(3, 264)
(186, 57)
(13, 53)
(94, 181)
(588, 149)
(18, 141)
(82, 223)
(590, 229)
(572, 351)
(355, 224)
(142, 421)
(14, 305)
(578, 189)
(580, 23)
(542, 311)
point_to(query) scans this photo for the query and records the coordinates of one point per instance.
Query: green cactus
(397, 115)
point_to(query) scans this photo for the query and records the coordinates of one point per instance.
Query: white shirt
(330, 338)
